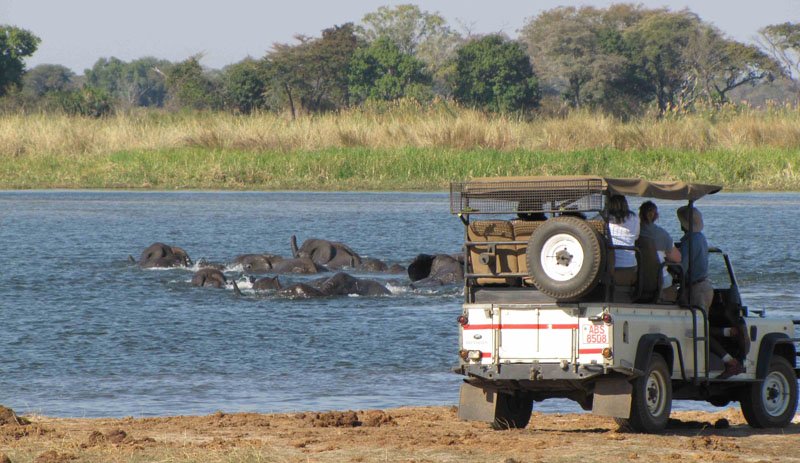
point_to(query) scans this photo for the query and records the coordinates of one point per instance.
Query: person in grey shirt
(665, 246)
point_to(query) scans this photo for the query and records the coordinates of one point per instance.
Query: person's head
(648, 212)
(617, 208)
(684, 214)
(530, 210)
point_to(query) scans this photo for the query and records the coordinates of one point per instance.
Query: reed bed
(404, 147)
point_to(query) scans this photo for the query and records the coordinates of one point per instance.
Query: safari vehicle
(543, 317)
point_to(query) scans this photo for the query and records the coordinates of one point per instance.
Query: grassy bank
(387, 169)
(405, 148)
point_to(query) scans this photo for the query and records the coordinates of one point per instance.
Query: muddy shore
(409, 434)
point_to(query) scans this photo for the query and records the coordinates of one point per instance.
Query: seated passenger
(524, 209)
(624, 228)
(694, 260)
(665, 246)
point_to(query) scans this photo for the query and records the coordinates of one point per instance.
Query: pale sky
(75, 33)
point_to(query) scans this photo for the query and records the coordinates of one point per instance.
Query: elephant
(340, 284)
(435, 270)
(371, 264)
(257, 263)
(163, 255)
(210, 277)
(263, 284)
(297, 265)
(331, 254)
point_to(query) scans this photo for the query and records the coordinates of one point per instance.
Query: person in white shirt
(624, 228)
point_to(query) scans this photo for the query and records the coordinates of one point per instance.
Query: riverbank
(409, 434)
(387, 169)
(406, 147)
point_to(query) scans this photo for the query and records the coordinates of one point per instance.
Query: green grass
(425, 169)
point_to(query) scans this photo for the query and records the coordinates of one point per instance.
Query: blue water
(84, 333)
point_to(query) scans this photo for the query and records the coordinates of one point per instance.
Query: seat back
(492, 258)
(650, 274)
(523, 230)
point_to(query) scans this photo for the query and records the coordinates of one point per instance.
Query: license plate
(594, 334)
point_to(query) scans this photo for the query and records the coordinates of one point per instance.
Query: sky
(76, 33)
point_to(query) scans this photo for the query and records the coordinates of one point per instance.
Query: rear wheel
(651, 401)
(773, 402)
(511, 411)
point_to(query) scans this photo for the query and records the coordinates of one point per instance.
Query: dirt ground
(413, 434)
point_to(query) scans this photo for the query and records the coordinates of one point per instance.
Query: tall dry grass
(405, 126)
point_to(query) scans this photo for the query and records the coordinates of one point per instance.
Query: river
(85, 333)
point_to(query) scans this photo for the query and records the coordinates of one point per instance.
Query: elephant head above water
(163, 255)
(331, 254)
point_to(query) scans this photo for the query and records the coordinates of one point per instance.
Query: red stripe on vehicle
(590, 351)
(567, 326)
(486, 355)
(506, 327)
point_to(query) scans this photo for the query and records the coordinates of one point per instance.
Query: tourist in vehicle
(624, 228)
(694, 260)
(524, 209)
(665, 246)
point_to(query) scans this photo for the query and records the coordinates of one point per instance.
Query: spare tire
(565, 258)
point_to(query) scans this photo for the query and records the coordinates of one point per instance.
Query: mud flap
(476, 404)
(612, 397)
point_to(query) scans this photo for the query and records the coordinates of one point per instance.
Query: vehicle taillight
(607, 318)
(607, 353)
(475, 355)
(462, 320)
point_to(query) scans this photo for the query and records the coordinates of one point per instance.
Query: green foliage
(495, 74)
(314, 73)
(47, 78)
(88, 102)
(141, 82)
(190, 88)
(381, 71)
(424, 35)
(245, 86)
(15, 45)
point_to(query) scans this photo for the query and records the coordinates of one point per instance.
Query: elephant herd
(312, 257)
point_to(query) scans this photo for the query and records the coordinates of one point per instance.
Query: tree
(656, 45)
(495, 73)
(189, 87)
(47, 78)
(314, 73)
(15, 45)
(381, 71)
(141, 82)
(245, 85)
(719, 65)
(782, 42)
(421, 34)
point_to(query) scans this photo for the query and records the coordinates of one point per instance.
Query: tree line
(623, 60)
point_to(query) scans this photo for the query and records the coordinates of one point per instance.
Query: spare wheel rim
(562, 257)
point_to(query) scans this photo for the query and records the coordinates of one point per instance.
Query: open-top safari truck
(543, 317)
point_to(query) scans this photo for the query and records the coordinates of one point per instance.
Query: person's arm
(673, 255)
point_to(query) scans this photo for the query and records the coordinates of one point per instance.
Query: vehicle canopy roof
(581, 193)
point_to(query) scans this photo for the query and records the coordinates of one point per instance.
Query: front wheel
(773, 402)
(651, 401)
(511, 411)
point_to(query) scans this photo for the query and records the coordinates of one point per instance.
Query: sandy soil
(419, 434)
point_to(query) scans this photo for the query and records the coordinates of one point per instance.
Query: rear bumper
(542, 373)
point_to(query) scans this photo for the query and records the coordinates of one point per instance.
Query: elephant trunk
(293, 243)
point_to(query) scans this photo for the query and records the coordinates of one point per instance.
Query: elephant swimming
(163, 255)
(435, 270)
(331, 254)
(340, 284)
(209, 277)
(257, 263)
(267, 283)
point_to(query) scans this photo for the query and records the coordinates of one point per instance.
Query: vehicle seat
(651, 278)
(492, 258)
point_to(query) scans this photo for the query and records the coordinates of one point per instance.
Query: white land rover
(543, 317)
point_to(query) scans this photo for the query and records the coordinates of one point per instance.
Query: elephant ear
(322, 252)
(421, 267)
